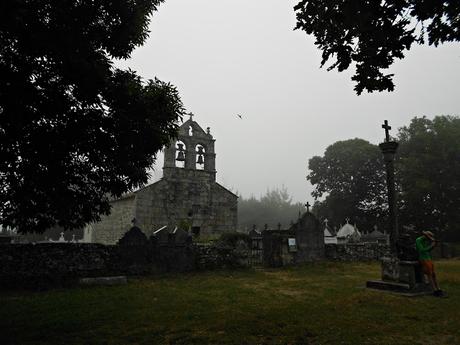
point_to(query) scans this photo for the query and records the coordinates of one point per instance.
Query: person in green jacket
(424, 245)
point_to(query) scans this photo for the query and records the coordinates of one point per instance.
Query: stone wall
(192, 196)
(41, 265)
(111, 228)
(45, 265)
(356, 251)
(211, 256)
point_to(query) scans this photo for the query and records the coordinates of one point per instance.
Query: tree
(351, 176)
(274, 207)
(429, 171)
(373, 34)
(74, 130)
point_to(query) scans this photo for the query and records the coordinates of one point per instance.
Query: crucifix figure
(387, 128)
(307, 205)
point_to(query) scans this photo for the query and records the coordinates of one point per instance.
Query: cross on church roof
(387, 130)
(191, 116)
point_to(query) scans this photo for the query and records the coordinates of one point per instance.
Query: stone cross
(326, 221)
(191, 116)
(387, 128)
(347, 220)
(307, 205)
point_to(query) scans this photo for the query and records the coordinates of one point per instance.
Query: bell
(181, 156)
(200, 159)
(200, 150)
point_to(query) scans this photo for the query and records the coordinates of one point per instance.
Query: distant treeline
(349, 179)
(273, 208)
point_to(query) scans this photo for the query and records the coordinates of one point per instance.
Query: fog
(243, 57)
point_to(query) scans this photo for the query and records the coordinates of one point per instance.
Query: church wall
(191, 197)
(225, 206)
(186, 194)
(111, 228)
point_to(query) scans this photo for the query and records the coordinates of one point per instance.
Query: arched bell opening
(200, 152)
(180, 154)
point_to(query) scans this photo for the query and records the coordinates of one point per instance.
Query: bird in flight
(239, 116)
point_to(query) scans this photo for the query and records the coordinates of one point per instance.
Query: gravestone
(302, 242)
(133, 237)
(134, 251)
(309, 238)
(162, 235)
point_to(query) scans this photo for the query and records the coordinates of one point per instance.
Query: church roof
(197, 130)
(227, 190)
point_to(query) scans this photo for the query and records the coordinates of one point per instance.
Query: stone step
(399, 288)
(117, 280)
(388, 286)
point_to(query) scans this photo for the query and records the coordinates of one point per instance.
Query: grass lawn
(320, 303)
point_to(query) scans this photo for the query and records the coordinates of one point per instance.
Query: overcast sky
(243, 57)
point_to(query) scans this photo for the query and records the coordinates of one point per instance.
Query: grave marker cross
(387, 128)
(307, 205)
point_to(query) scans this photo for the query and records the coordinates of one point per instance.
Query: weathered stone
(118, 280)
(183, 195)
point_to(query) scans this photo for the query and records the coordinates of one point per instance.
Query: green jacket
(424, 248)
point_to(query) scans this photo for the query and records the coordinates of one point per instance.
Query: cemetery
(286, 284)
(123, 220)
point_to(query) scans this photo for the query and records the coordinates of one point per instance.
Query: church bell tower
(191, 154)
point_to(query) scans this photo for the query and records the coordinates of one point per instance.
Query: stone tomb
(302, 242)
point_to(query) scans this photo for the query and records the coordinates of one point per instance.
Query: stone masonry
(186, 195)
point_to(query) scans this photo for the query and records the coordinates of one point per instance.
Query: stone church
(187, 195)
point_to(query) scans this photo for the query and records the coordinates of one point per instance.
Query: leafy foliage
(373, 34)
(429, 164)
(74, 130)
(351, 176)
(351, 179)
(272, 208)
